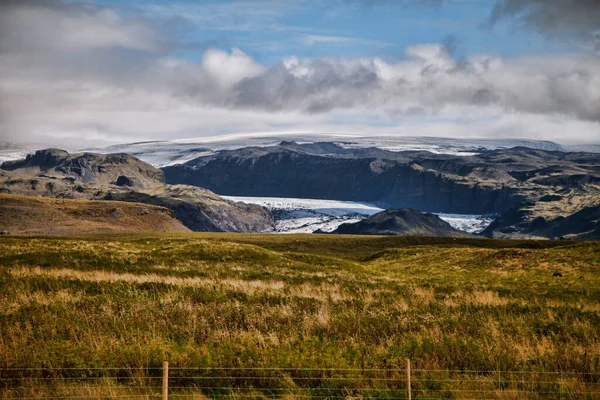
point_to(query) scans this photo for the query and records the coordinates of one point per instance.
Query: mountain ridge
(494, 181)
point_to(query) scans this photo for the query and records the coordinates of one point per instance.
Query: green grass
(303, 301)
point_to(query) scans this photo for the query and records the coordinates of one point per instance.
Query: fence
(293, 383)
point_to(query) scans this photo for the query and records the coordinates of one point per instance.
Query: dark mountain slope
(583, 224)
(398, 180)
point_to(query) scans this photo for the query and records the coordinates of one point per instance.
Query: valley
(300, 200)
(308, 215)
(533, 191)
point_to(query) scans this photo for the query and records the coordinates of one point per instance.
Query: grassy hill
(301, 304)
(39, 215)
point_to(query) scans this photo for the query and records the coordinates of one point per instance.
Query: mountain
(37, 215)
(583, 224)
(90, 176)
(200, 209)
(116, 169)
(328, 171)
(402, 222)
(166, 153)
(541, 183)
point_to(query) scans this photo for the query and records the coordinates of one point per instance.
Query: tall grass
(296, 302)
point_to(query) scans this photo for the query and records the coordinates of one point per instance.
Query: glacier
(164, 153)
(293, 215)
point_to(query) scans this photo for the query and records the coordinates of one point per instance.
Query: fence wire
(230, 383)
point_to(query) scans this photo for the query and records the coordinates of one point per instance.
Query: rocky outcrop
(89, 168)
(88, 176)
(401, 222)
(201, 210)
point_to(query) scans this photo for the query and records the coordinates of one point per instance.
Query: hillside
(87, 176)
(37, 215)
(326, 315)
(402, 222)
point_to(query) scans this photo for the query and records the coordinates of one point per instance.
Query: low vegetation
(42, 215)
(326, 315)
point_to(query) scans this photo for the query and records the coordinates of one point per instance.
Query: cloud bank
(86, 73)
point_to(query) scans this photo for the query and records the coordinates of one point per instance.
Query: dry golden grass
(41, 215)
(243, 286)
(295, 302)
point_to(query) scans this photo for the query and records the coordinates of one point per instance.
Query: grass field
(299, 305)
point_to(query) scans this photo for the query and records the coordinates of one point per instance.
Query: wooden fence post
(165, 382)
(408, 389)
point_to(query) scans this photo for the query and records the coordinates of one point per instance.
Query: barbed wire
(398, 369)
(251, 382)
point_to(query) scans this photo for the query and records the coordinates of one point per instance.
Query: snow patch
(468, 222)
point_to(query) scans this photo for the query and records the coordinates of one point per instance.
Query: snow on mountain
(308, 215)
(11, 151)
(164, 153)
(171, 152)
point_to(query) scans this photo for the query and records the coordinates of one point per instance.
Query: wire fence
(293, 383)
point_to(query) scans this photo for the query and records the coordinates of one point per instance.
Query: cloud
(576, 19)
(56, 26)
(553, 17)
(579, 19)
(116, 82)
(236, 16)
(430, 79)
(229, 68)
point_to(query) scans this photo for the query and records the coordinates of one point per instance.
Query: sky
(101, 72)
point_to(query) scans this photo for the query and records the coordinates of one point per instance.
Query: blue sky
(271, 30)
(112, 71)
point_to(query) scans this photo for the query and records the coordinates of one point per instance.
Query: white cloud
(229, 68)
(110, 84)
(41, 27)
